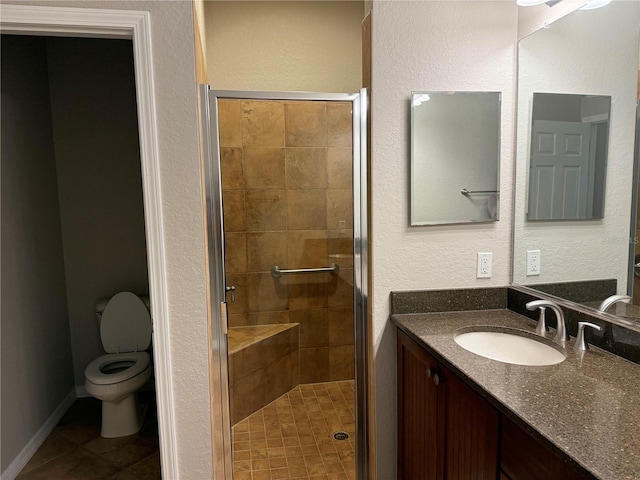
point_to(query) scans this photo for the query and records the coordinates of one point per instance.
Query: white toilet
(114, 378)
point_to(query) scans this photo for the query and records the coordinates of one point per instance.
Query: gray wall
(95, 133)
(557, 108)
(37, 371)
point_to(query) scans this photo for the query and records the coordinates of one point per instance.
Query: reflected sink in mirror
(510, 346)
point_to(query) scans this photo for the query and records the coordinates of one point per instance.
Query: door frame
(214, 214)
(136, 26)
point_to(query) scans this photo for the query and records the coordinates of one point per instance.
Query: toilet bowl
(114, 378)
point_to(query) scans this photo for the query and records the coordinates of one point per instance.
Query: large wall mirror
(577, 97)
(455, 157)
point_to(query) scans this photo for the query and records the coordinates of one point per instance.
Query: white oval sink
(510, 346)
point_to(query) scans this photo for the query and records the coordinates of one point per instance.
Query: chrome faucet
(561, 329)
(613, 299)
(581, 342)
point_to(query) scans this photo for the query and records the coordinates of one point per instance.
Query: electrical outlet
(484, 265)
(533, 262)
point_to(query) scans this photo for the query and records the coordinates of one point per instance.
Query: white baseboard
(18, 463)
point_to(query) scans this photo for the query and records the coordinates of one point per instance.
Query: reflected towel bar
(464, 191)
(334, 269)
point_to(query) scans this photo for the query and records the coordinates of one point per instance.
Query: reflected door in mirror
(569, 136)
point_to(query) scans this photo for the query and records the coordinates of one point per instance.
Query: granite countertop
(588, 406)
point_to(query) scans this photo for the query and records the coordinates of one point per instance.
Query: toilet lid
(125, 324)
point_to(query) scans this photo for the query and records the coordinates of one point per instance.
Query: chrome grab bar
(466, 192)
(334, 269)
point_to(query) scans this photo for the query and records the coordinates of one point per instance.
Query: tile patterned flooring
(75, 450)
(292, 437)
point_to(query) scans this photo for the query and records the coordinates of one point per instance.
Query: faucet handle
(581, 343)
(542, 327)
(562, 335)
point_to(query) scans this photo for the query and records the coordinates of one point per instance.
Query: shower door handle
(231, 289)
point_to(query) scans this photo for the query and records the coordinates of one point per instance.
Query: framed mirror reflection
(455, 157)
(578, 91)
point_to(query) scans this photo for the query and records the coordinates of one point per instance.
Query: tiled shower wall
(287, 197)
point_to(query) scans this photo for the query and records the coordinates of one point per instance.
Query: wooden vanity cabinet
(524, 458)
(446, 430)
(417, 412)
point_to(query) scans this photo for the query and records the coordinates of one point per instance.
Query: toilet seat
(95, 371)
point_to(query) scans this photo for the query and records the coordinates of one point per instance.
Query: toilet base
(122, 418)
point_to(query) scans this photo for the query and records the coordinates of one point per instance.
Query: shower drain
(341, 435)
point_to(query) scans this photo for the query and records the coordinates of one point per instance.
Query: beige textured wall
(531, 19)
(453, 45)
(286, 176)
(284, 46)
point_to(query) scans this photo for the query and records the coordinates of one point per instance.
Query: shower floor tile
(292, 437)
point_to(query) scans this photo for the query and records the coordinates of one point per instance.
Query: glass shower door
(286, 166)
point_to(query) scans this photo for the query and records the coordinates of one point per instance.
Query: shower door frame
(215, 232)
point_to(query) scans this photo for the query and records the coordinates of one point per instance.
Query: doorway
(73, 235)
(285, 227)
(135, 26)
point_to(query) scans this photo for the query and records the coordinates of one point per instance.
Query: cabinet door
(417, 412)
(468, 431)
(524, 458)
